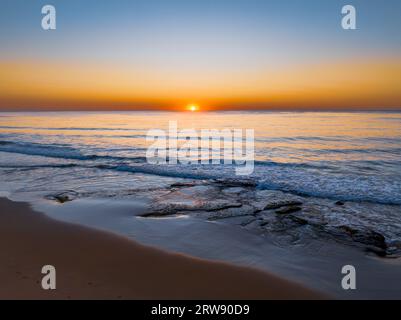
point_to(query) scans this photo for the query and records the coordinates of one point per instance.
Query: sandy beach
(94, 264)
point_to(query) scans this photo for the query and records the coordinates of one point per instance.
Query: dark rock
(63, 196)
(288, 209)
(236, 182)
(161, 213)
(339, 203)
(366, 236)
(154, 214)
(218, 207)
(182, 184)
(378, 251)
(298, 220)
(350, 231)
(223, 206)
(284, 203)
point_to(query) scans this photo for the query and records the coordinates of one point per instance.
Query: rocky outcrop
(291, 218)
(283, 203)
(368, 237)
(288, 209)
(63, 197)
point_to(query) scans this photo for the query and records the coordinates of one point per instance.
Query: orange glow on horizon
(369, 83)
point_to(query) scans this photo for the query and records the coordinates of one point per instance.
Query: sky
(217, 54)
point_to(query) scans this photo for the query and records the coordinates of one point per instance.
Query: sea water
(352, 156)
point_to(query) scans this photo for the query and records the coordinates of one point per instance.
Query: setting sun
(192, 107)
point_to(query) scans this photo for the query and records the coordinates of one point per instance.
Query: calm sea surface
(348, 156)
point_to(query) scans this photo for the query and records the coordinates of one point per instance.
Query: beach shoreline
(93, 264)
(313, 262)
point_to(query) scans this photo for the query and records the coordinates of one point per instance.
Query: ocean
(348, 156)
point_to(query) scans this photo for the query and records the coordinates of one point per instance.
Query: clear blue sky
(261, 29)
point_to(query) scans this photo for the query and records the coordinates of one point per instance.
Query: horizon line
(396, 109)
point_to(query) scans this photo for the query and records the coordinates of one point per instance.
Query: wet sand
(93, 264)
(316, 263)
